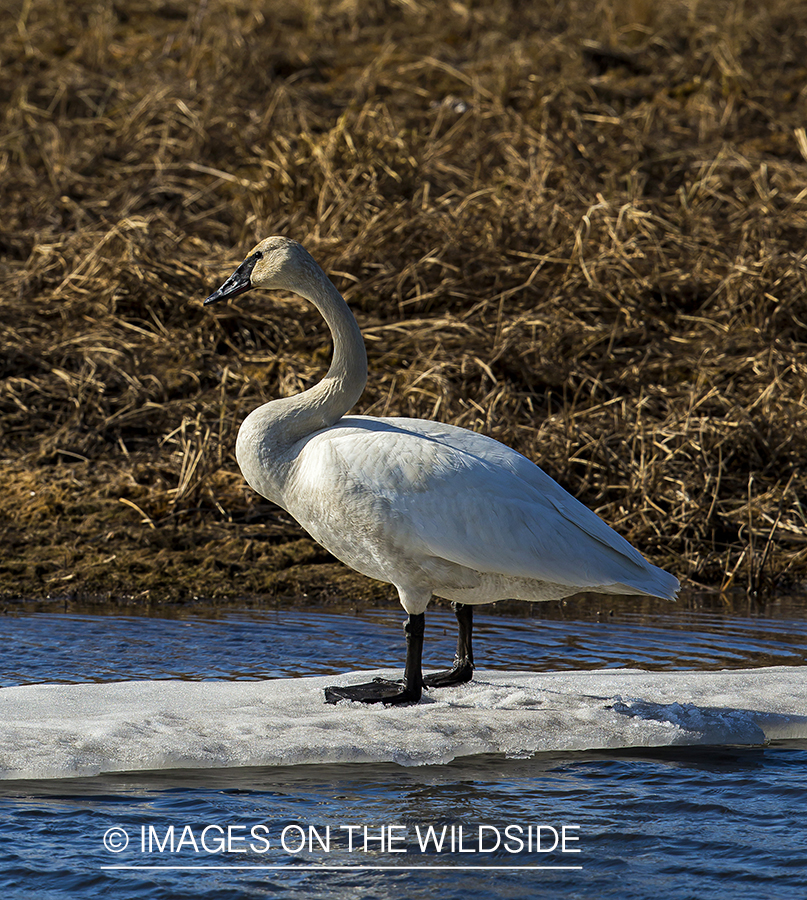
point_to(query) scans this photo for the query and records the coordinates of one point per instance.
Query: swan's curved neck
(274, 427)
(325, 403)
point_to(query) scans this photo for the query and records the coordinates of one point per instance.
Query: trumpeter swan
(433, 509)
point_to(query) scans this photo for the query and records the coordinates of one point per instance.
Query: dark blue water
(721, 823)
(251, 645)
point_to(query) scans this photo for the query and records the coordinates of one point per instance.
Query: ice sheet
(52, 731)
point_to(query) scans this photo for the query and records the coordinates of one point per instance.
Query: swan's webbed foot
(379, 690)
(410, 689)
(461, 672)
(382, 690)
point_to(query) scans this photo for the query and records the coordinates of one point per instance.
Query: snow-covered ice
(53, 731)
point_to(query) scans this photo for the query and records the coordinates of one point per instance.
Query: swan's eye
(258, 254)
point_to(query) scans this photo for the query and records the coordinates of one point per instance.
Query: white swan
(433, 509)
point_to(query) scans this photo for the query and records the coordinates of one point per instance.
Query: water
(231, 645)
(720, 823)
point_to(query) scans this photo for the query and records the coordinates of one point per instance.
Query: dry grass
(576, 227)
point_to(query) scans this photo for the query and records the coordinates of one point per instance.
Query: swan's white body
(439, 510)
(434, 509)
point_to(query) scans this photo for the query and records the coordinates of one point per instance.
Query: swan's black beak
(237, 283)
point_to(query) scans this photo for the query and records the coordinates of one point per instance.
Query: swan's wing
(491, 520)
(541, 487)
(459, 496)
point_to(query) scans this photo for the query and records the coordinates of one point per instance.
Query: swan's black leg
(463, 668)
(380, 690)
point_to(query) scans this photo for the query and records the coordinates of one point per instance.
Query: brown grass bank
(578, 227)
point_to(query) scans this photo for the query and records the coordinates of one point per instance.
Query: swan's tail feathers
(668, 585)
(655, 583)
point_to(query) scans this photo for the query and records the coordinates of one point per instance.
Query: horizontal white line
(314, 867)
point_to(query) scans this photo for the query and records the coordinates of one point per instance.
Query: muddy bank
(577, 230)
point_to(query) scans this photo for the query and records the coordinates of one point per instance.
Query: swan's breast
(345, 486)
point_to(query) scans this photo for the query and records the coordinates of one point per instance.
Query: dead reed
(576, 227)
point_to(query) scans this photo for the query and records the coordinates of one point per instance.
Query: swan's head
(277, 263)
